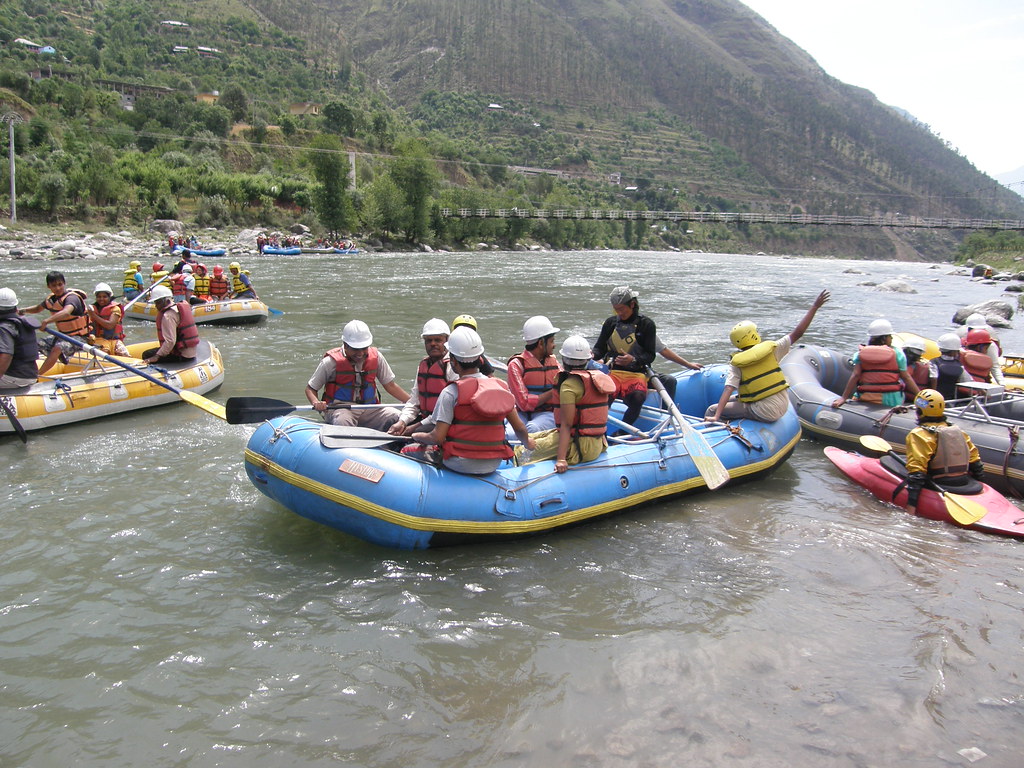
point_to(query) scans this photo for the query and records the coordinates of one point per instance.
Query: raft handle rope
(1011, 446)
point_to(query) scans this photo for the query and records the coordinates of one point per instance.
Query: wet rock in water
(853, 271)
(868, 284)
(1014, 288)
(980, 270)
(996, 313)
(895, 286)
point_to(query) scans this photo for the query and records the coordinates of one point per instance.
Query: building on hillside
(208, 98)
(131, 91)
(209, 53)
(48, 50)
(173, 26)
(305, 108)
(34, 47)
(180, 49)
(494, 106)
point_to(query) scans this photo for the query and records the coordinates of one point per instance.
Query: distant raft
(230, 312)
(89, 388)
(397, 500)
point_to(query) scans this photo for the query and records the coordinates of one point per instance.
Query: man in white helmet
(105, 314)
(880, 372)
(432, 376)
(947, 370)
(176, 329)
(532, 374)
(19, 347)
(350, 375)
(471, 412)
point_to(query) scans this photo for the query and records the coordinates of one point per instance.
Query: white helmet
(949, 342)
(435, 327)
(976, 320)
(880, 327)
(186, 267)
(915, 344)
(357, 334)
(8, 298)
(575, 350)
(537, 327)
(160, 292)
(465, 344)
(103, 288)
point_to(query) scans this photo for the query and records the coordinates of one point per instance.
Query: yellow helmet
(234, 265)
(744, 335)
(930, 403)
(464, 320)
(134, 264)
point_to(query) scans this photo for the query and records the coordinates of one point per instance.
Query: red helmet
(201, 268)
(977, 336)
(157, 266)
(218, 270)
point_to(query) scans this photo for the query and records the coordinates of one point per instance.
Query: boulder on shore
(997, 313)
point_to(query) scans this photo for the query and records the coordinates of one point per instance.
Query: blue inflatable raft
(398, 501)
(273, 250)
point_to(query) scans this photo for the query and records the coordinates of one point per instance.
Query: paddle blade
(332, 436)
(212, 408)
(875, 443)
(249, 410)
(18, 428)
(273, 311)
(964, 510)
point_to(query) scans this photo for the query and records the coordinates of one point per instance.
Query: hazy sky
(956, 65)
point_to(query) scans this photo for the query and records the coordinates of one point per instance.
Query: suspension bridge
(832, 220)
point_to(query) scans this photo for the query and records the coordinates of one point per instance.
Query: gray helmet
(623, 294)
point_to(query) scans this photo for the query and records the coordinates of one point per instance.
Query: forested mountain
(694, 103)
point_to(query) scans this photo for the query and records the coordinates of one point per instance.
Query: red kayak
(882, 476)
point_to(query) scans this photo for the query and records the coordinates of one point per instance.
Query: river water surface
(156, 610)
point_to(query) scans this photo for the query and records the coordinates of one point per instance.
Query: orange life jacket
(350, 385)
(188, 334)
(77, 324)
(117, 332)
(538, 375)
(879, 369)
(978, 364)
(591, 418)
(219, 287)
(919, 372)
(477, 430)
(431, 379)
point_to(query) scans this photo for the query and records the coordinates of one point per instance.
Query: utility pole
(11, 118)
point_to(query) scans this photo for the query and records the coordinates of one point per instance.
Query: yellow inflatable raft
(230, 312)
(87, 387)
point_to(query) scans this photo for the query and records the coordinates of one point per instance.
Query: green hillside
(693, 104)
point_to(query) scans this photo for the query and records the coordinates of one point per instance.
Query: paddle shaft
(247, 410)
(18, 428)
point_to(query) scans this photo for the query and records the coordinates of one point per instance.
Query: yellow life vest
(760, 375)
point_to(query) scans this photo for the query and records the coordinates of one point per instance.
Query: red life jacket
(431, 379)
(219, 287)
(538, 375)
(350, 385)
(978, 364)
(188, 334)
(77, 324)
(879, 369)
(177, 286)
(919, 372)
(477, 430)
(592, 409)
(117, 332)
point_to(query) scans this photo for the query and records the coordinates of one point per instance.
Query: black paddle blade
(249, 410)
(18, 428)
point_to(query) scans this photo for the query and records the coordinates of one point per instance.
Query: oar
(249, 410)
(14, 420)
(192, 398)
(962, 509)
(143, 293)
(357, 437)
(273, 311)
(704, 458)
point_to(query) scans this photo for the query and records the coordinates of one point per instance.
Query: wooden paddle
(143, 293)
(249, 410)
(962, 509)
(357, 437)
(18, 428)
(192, 398)
(704, 457)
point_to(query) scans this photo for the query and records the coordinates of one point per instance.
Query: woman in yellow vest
(755, 372)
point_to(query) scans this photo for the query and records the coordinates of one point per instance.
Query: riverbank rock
(167, 225)
(997, 313)
(980, 270)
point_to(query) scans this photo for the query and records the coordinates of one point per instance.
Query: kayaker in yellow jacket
(938, 450)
